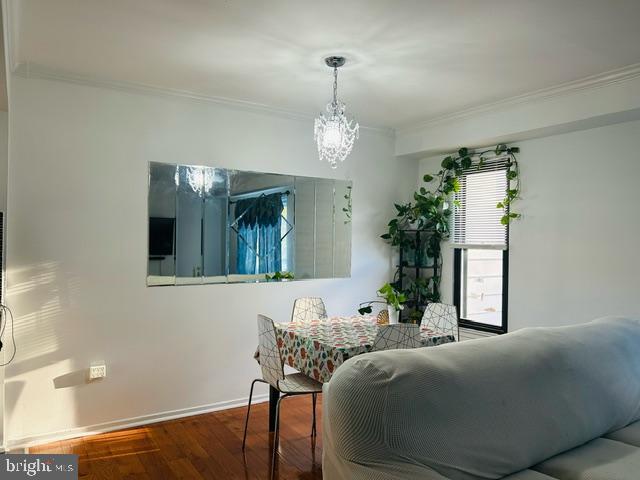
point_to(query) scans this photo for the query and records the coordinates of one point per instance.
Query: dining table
(317, 348)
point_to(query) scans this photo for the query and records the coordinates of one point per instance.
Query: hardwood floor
(205, 446)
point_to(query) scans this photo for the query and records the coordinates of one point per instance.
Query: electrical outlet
(97, 371)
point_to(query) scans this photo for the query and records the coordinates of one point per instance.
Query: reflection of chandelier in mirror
(334, 133)
(200, 178)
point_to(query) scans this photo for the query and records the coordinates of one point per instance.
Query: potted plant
(395, 301)
(279, 276)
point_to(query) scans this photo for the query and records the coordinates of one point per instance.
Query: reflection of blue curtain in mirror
(259, 234)
(285, 238)
(247, 244)
(269, 250)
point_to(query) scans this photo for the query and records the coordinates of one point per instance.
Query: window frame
(457, 294)
(457, 279)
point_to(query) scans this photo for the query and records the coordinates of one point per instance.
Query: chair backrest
(270, 358)
(442, 318)
(306, 309)
(399, 335)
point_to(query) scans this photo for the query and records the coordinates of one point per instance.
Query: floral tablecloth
(319, 347)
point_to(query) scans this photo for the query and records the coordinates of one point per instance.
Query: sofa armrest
(336, 467)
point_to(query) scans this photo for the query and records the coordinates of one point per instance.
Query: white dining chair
(288, 385)
(397, 336)
(442, 318)
(306, 309)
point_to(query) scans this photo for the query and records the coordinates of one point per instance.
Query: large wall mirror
(214, 225)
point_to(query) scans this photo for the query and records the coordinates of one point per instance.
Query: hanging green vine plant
(348, 209)
(513, 183)
(432, 207)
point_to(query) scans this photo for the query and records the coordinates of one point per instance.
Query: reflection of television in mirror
(161, 235)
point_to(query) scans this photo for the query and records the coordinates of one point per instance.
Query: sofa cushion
(629, 434)
(600, 459)
(487, 408)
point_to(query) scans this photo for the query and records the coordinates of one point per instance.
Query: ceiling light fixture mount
(334, 133)
(335, 62)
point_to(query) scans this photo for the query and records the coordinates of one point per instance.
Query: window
(481, 255)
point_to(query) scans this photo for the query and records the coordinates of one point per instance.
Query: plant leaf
(448, 163)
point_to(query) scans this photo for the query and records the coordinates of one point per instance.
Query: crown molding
(593, 82)
(33, 70)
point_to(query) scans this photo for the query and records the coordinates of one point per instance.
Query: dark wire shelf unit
(419, 263)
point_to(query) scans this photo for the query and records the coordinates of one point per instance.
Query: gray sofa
(538, 404)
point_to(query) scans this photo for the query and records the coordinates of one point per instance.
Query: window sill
(482, 327)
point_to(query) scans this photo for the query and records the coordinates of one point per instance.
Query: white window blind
(476, 220)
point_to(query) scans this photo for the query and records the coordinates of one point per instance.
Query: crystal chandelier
(334, 133)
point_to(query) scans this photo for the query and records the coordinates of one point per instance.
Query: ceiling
(408, 61)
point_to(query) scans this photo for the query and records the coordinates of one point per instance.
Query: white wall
(77, 252)
(4, 157)
(574, 254)
(4, 132)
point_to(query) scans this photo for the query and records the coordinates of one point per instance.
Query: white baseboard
(26, 442)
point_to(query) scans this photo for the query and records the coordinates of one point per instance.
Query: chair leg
(276, 437)
(246, 422)
(314, 431)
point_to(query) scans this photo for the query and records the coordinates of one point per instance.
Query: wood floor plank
(203, 447)
(184, 469)
(156, 466)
